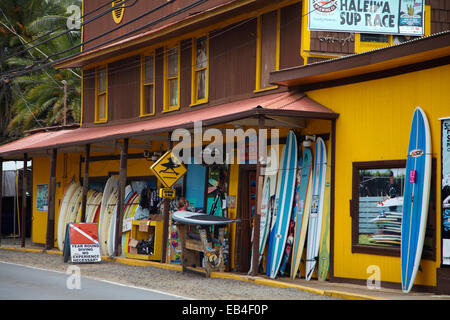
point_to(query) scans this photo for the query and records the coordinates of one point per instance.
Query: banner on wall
(445, 192)
(403, 17)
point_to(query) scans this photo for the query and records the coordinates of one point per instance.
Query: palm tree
(38, 97)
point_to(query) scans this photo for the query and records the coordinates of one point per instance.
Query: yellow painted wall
(67, 168)
(374, 124)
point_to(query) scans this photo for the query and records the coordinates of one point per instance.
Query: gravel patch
(184, 284)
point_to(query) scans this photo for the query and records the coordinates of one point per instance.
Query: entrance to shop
(246, 211)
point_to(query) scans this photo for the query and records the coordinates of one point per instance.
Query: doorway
(246, 210)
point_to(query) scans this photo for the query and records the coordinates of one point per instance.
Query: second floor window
(147, 85)
(172, 79)
(199, 92)
(101, 92)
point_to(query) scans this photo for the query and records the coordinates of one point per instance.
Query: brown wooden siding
(124, 89)
(185, 74)
(232, 56)
(106, 22)
(159, 80)
(290, 36)
(88, 96)
(440, 15)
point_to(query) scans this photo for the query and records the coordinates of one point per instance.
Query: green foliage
(36, 99)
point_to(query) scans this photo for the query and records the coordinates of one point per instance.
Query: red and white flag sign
(84, 246)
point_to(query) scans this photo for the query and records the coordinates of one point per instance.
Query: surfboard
(111, 221)
(415, 197)
(286, 180)
(108, 213)
(315, 216)
(111, 183)
(126, 215)
(132, 211)
(324, 250)
(291, 232)
(112, 224)
(61, 231)
(302, 211)
(189, 217)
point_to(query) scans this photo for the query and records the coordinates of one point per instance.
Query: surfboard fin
(420, 268)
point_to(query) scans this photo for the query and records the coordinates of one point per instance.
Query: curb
(219, 275)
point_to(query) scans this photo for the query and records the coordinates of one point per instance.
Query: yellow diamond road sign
(168, 169)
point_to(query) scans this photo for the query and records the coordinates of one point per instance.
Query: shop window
(118, 12)
(267, 49)
(147, 85)
(376, 208)
(101, 94)
(200, 53)
(172, 79)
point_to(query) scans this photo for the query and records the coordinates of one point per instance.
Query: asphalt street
(18, 282)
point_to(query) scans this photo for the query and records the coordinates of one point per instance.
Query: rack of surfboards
(101, 208)
(292, 206)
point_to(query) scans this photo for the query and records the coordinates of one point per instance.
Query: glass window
(171, 100)
(200, 70)
(369, 37)
(147, 87)
(102, 96)
(377, 206)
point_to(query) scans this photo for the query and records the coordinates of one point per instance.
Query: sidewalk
(338, 290)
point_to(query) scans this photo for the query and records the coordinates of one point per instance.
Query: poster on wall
(404, 17)
(42, 197)
(445, 192)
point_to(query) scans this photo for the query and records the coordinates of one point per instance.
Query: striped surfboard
(286, 180)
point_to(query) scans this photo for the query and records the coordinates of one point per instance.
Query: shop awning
(285, 104)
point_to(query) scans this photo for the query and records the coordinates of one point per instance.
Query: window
(267, 49)
(200, 53)
(172, 79)
(147, 84)
(376, 208)
(101, 94)
(118, 13)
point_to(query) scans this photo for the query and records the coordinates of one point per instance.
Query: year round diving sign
(403, 17)
(84, 246)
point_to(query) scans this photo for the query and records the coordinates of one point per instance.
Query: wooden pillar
(166, 216)
(121, 200)
(259, 186)
(51, 202)
(85, 182)
(1, 197)
(23, 219)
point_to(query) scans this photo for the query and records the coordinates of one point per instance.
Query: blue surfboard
(287, 178)
(315, 215)
(415, 197)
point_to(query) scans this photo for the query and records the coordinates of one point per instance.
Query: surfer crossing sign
(84, 245)
(168, 169)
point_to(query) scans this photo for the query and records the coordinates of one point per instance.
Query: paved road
(22, 282)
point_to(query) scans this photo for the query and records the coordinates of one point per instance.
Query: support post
(121, 200)
(51, 203)
(1, 197)
(24, 202)
(257, 219)
(85, 182)
(166, 215)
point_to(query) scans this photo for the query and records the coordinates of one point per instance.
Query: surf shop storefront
(106, 169)
(376, 94)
